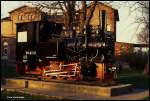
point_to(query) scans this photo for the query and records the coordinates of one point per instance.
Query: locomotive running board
(54, 73)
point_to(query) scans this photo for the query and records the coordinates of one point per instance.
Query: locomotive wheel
(71, 78)
(78, 78)
(46, 78)
(60, 78)
(39, 78)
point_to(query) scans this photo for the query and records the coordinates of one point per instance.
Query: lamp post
(5, 46)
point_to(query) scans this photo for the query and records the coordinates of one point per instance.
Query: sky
(126, 29)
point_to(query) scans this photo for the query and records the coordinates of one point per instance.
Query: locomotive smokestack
(103, 20)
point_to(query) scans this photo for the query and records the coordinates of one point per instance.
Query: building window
(20, 17)
(22, 36)
(32, 17)
(29, 17)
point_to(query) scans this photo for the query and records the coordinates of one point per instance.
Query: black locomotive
(40, 43)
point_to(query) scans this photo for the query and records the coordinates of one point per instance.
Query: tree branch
(91, 13)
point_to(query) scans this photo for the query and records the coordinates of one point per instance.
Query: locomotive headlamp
(114, 68)
(97, 31)
(74, 27)
(103, 44)
(64, 28)
(99, 44)
(84, 32)
(40, 60)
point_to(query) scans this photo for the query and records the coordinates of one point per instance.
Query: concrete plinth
(71, 88)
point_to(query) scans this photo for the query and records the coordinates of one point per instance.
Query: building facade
(121, 47)
(111, 17)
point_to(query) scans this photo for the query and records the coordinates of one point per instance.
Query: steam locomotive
(42, 50)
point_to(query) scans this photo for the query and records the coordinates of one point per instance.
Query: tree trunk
(146, 69)
(91, 13)
(83, 16)
(70, 14)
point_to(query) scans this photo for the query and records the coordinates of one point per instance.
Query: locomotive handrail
(74, 72)
(70, 64)
(62, 73)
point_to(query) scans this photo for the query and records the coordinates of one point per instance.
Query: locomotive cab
(35, 45)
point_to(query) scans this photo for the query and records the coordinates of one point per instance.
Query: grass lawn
(127, 72)
(8, 70)
(12, 95)
(134, 77)
(146, 98)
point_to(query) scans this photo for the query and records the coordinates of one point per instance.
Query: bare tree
(83, 15)
(141, 8)
(146, 70)
(143, 35)
(90, 13)
(69, 9)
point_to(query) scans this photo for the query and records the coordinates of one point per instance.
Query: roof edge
(22, 7)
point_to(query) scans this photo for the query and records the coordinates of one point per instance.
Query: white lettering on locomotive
(30, 52)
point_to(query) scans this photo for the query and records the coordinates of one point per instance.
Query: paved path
(136, 95)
